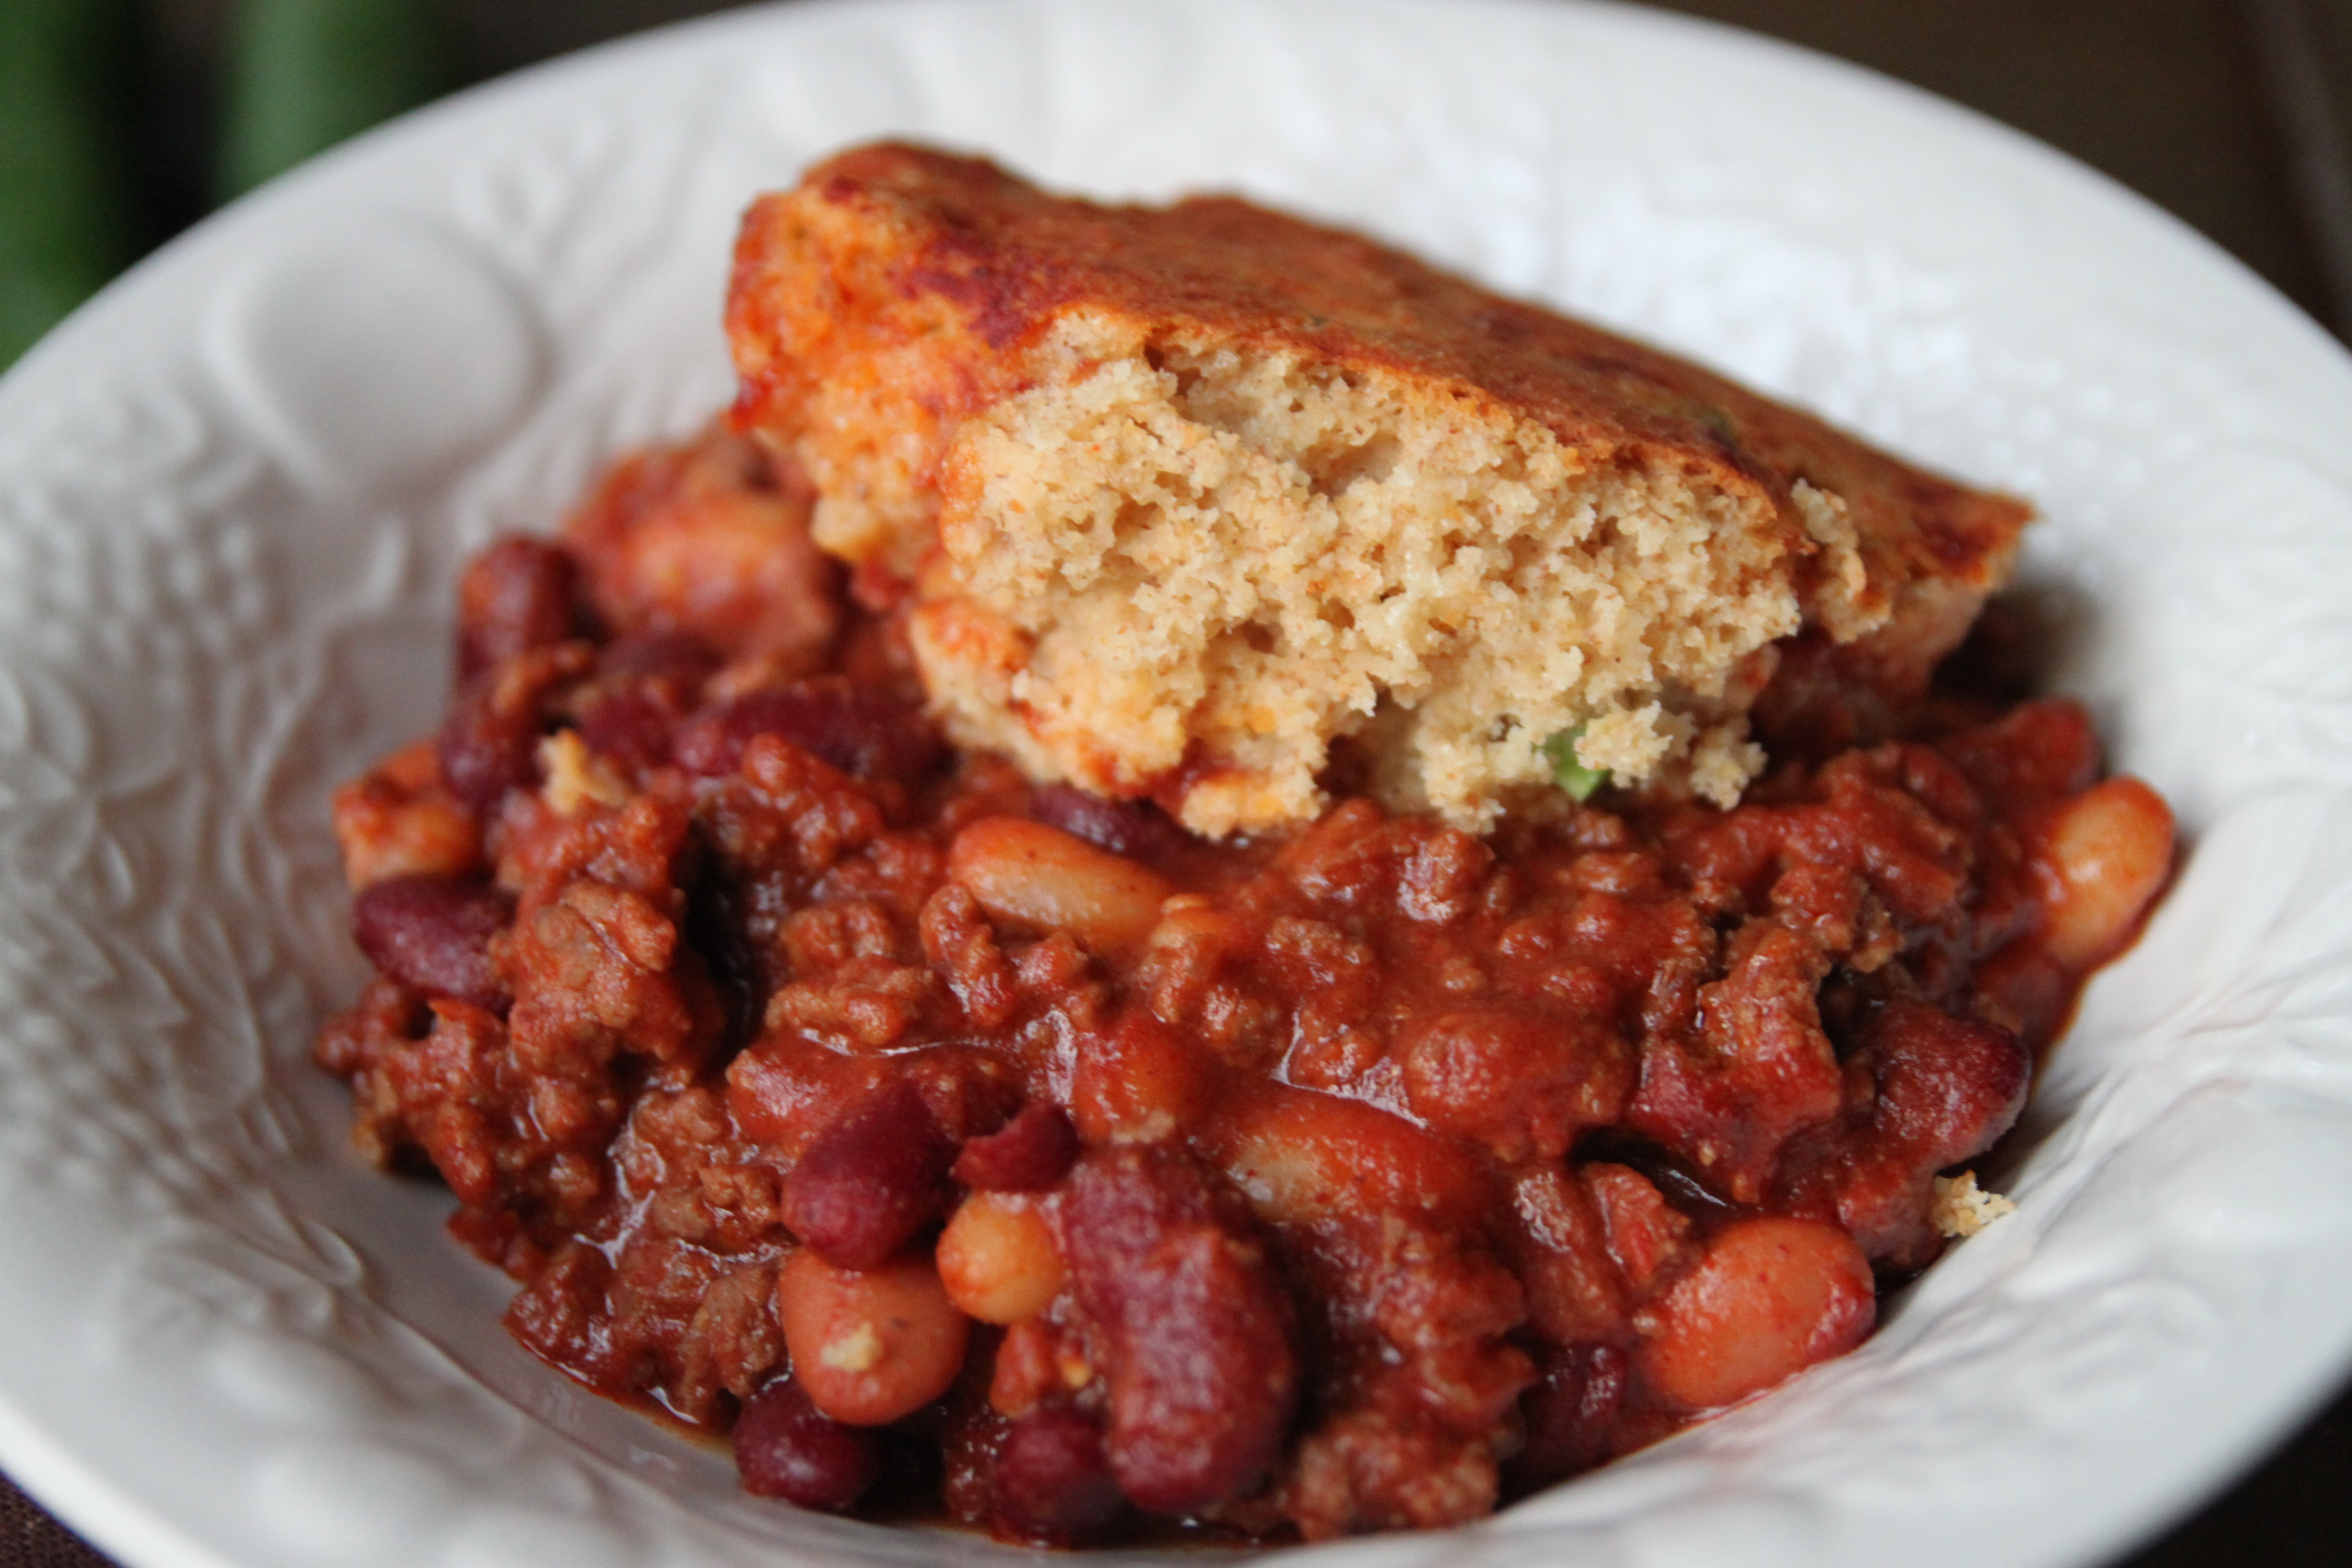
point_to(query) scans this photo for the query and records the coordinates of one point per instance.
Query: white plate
(231, 492)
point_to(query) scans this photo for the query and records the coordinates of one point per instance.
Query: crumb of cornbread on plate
(1962, 1209)
(1183, 496)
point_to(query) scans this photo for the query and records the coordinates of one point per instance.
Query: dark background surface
(2234, 114)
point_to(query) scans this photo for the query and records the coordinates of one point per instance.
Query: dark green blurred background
(121, 122)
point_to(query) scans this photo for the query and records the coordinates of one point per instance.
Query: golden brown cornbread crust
(1187, 493)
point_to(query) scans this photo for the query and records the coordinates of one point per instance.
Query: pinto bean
(1053, 1482)
(518, 593)
(786, 1447)
(872, 1179)
(1768, 1298)
(999, 1260)
(1027, 1154)
(2108, 852)
(869, 1346)
(432, 934)
(1042, 877)
(1203, 1373)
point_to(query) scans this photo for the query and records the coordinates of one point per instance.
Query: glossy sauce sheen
(952, 1139)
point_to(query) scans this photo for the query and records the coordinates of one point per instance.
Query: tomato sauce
(945, 1136)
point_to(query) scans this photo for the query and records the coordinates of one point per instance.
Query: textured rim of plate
(2151, 324)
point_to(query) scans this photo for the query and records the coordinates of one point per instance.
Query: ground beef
(1003, 1146)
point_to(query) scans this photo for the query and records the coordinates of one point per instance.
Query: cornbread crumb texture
(1962, 1209)
(577, 777)
(1186, 495)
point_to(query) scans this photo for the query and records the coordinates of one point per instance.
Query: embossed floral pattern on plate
(232, 490)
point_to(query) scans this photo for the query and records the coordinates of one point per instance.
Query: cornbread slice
(1184, 495)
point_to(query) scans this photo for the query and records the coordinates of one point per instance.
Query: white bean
(998, 1258)
(1040, 875)
(869, 1346)
(2108, 852)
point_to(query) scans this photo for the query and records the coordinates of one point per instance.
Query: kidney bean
(667, 656)
(1135, 828)
(646, 684)
(857, 730)
(786, 1447)
(1042, 877)
(1202, 1372)
(1027, 1154)
(869, 1346)
(871, 1180)
(516, 595)
(1052, 1481)
(487, 750)
(630, 725)
(1768, 1298)
(1945, 1089)
(433, 934)
(999, 1260)
(1568, 1411)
